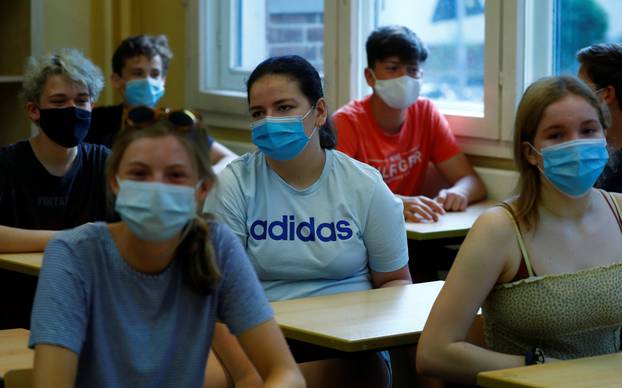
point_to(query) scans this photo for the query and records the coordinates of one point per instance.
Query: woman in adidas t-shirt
(313, 220)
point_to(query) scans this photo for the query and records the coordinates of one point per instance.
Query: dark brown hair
(394, 41)
(195, 250)
(603, 64)
(147, 45)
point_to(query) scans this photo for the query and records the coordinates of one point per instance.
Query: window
(250, 31)
(454, 33)
(461, 74)
(483, 53)
(580, 23)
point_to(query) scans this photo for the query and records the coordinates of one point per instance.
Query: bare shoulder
(495, 223)
(492, 243)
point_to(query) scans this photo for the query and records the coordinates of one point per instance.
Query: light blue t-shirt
(132, 329)
(316, 241)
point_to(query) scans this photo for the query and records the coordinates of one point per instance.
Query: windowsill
(486, 147)
(228, 109)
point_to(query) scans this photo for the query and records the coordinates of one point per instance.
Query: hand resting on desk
(421, 209)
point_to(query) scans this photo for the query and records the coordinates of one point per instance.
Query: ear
(609, 96)
(164, 80)
(114, 185)
(203, 190)
(33, 111)
(369, 77)
(321, 112)
(530, 154)
(117, 82)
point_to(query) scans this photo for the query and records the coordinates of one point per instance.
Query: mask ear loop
(534, 148)
(539, 153)
(315, 127)
(308, 112)
(373, 74)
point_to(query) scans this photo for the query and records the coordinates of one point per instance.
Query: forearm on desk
(396, 283)
(400, 277)
(472, 186)
(462, 361)
(23, 240)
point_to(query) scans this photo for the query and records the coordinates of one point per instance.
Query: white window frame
(515, 33)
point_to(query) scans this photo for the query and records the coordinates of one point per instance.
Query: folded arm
(467, 187)
(23, 240)
(488, 255)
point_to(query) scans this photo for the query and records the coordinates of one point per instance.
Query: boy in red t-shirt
(399, 133)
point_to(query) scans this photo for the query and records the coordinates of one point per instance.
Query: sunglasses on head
(144, 116)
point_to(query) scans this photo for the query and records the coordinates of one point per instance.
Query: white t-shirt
(320, 240)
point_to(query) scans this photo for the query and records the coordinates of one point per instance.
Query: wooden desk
(27, 263)
(600, 371)
(14, 352)
(356, 321)
(451, 224)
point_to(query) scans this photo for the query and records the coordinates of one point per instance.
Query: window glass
(580, 23)
(453, 31)
(266, 28)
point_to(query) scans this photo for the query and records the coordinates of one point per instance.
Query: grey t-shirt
(320, 240)
(133, 329)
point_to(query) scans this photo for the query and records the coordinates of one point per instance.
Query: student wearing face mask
(399, 133)
(53, 180)
(601, 69)
(135, 302)
(546, 266)
(313, 220)
(139, 68)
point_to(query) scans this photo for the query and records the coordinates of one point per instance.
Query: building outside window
(483, 53)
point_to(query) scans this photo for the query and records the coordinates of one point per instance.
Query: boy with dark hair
(139, 68)
(601, 69)
(399, 133)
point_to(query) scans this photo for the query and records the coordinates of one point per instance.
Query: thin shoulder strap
(519, 236)
(615, 208)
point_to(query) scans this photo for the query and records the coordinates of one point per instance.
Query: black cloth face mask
(66, 127)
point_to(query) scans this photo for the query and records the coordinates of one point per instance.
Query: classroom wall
(64, 23)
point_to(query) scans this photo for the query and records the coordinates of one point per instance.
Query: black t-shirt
(106, 123)
(611, 178)
(32, 198)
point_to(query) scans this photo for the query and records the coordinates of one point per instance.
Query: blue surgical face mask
(155, 211)
(144, 91)
(281, 138)
(573, 166)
